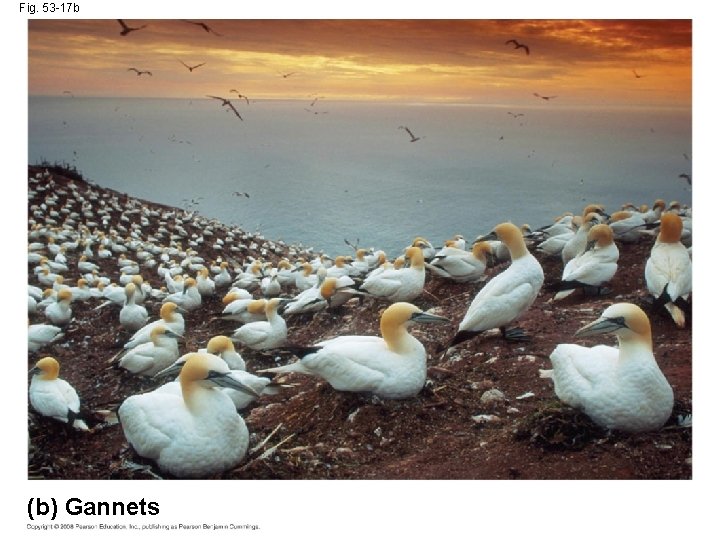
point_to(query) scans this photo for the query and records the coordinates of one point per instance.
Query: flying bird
(226, 103)
(515, 115)
(686, 177)
(69, 93)
(191, 67)
(127, 29)
(413, 138)
(286, 75)
(546, 98)
(241, 96)
(203, 26)
(140, 72)
(243, 194)
(518, 45)
(636, 75)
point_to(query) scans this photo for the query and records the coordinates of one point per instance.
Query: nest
(556, 426)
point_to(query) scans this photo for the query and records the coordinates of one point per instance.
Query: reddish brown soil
(328, 434)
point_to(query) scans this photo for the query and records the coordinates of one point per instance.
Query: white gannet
(194, 432)
(399, 285)
(668, 271)
(593, 268)
(170, 317)
(424, 244)
(223, 277)
(263, 335)
(319, 297)
(149, 358)
(576, 245)
(627, 226)
(618, 388)
(54, 397)
(60, 312)
(392, 366)
(340, 268)
(40, 335)
(460, 265)
(304, 277)
(189, 299)
(222, 347)
(506, 296)
(242, 309)
(205, 284)
(132, 316)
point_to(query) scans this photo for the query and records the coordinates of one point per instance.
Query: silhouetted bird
(243, 194)
(140, 72)
(636, 75)
(127, 29)
(191, 67)
(203, 26)
(518, 45)
(686, 177)
(514, 115)
(241, 96)
(226, 103)
(69, 93)
(546, 98)
(413, 138)
(286, 75)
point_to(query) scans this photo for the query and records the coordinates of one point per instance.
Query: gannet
(54, 397)
(242, 309)
(392, 366)
(618, 388)
(593, 268)
(223, 278)
(149, 358)
(340, 268)
(576, 245)
(189, 299)
(133, 316)
(319, 297)
(263, 335)
(399, 285)
(506, 296)
(60, 312)
(170, 317)
(627, 226)
(304, 277)
(40, 335)
(668, 271)
(205, 284)
(192, 433)
(460, 265)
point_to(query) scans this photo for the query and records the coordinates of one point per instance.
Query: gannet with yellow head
(54, 397)
(60, 312)
(149, 358)
(399, 284)
(507, 295)
(264, 335)
(170, 317)
(133, 316)
(392, 366)
(593, 268)
(668, 270)
(618, 388)
(193, 433)
(460, 265)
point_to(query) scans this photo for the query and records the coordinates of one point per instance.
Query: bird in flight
(203, 26)
(686, 177)
(69, 93)
(515, 115)
(546, 98)
(241, 96)
(518, 45)
(139, 72)
(243, 194)
(226, 103)
(127, 29)
(636, 75)
(286, 75)
(413, 138)
(191, 67)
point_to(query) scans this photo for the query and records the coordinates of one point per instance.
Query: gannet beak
(173, 370)
(181, 309)
(423, 317)
(603, 325)
(34, 370)
(491, 236)
(226, 380)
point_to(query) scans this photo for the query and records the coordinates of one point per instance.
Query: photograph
(355, 249)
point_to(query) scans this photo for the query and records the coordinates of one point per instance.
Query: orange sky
(580, 61)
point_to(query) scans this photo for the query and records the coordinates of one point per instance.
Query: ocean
(320, 174)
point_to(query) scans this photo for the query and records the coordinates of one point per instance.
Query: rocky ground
(310, 431)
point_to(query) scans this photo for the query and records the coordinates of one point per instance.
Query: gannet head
(206, 370)
(167, 311)
(46, 368)
(594, 208)
(130, 290)
(64, 295)
(220, 344)
(671, 227)
(396, 318)
(599, 235)
(510, 235)
(415, 254)
(627, 321)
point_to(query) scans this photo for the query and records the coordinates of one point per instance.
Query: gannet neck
(167, 311)
(328, 287)
(416, 257)
(393, 326)
(510, 235)
(671, 227)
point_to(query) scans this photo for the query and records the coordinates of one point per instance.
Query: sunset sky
(583, 62)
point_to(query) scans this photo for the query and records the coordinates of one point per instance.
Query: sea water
(321, 174)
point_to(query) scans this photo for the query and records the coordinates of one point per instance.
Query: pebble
(486, 419)
(492, 396)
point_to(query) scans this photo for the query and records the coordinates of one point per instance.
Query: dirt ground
(310, 431)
